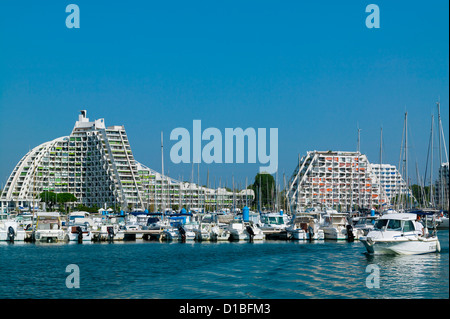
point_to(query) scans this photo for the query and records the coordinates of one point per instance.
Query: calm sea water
(272, 269)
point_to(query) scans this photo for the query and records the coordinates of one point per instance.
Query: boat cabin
(396, 222)
(48, 221)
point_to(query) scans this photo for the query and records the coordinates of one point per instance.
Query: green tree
(49, 198)
(264, 187)
(64, 198)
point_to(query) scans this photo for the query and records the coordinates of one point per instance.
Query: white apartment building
(340, 180)
(96, 164)
(391, 180)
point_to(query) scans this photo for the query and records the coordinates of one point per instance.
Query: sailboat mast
(406, 158)
(431, 163)
(162, 174)
(381, 164)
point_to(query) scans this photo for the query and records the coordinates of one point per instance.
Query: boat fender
(438, 246)
(11, 234)
(350, 235)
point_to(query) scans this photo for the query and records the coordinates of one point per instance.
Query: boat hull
(87, 236)
(406, 246)
(50, 236)
(335, 233)
(300, 234)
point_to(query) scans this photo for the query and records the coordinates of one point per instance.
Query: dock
(155, 234)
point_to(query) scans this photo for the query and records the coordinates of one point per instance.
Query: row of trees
(62, 199)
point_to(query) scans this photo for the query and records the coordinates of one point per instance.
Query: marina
(205, 270)
(249, 226)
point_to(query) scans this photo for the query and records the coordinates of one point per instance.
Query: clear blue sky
(310, 68)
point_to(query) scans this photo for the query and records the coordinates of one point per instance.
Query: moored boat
(10, 230)
(49, 228)
(399, 233)
(305, 226)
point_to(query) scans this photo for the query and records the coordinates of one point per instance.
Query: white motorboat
(10, 230)
(25, 220)
(240, 230)
(336, 226)
(364, 225)
(178, 233)
(79, 232)
(203, 232)
(397, 233)
(305, 226)
(273, 221)
(79, 218)
(110, 232)
(156, 221)
(220, 233)
(49, 228)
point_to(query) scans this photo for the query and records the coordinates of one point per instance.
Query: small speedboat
(49, 228)
(336, 226)
(398, 234)
(178, 233)
(305, 227)
(240, 230)
(10, 230)
(79, 232)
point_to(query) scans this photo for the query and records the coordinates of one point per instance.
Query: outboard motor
(110, 233)
(350, 235)
(80, 234)
(311, 233)
(182, 233)
(11, 234)
(250, 232)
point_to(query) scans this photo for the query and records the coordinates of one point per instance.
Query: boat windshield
(388, 224)
(380, 224)
(278, 220)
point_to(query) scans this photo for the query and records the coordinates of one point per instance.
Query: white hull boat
(336, 227)
(11, 231)
(48, 228)
(335, 233)
(219, 233)
(110, 233)
(203, 231)
(240, 230)
(402, 246)
(305, 227)
(301, 234)
(398, 234)
(79, 233)
(174, 234)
